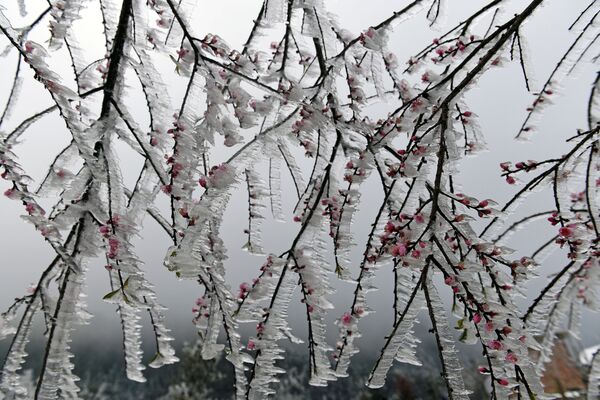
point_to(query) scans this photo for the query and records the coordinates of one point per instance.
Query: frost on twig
(296, 104)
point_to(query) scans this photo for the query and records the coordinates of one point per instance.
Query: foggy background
(500, 100)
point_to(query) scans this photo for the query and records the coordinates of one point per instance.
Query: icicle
(275, 186)
(315, 290)
(377, 69)
(400, 337)
(593, 388)
(156, 92)
(22, 8)
(132, 341)
(226, 310)
(110, 18)
(436, 12)
(548, 92)
(15, 93)
(407, 353)
(342, 208)
(59, 175)
(276, 10)
(257, 193)
(318, 23)
(293, 168)
(57, 375)
(348, 323)
(10, 384)
(64, 13)
(446, 341)
(270, 330)
(165, 353)
(184, 9)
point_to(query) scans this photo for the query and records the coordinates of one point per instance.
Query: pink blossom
(251, 345)
(176, 169)
(113, 245)
(182, 52)
(30, 208)
(565, 231)
(511, 357)
(495, 344)
(244, 288)
(29, 47)
(399, 250)
(347, 318)
(477, 318)
(390, 227)
(450, 280)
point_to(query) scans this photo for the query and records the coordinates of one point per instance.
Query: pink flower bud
(495, 344)
(511, 357)
(565, 232)
(399, 250)
(346, 319)
(30, 208)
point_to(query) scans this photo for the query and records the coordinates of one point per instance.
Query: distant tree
(311, 89)
(200, 379)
